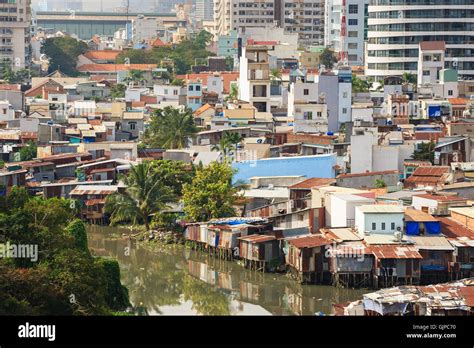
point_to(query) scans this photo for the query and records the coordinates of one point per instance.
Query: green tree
(19, 76)
(328, 58)
(203, 39)
(63, 279)
(379, 183)
(62, 53)
(234, 93)
(224, 147)
(135, 77)
(28, 152)
(173, 174)
(177, 82)
(425, 152)
(170, 128)
(78, 231)
(408, 78)
(228, 143)
(211, 194)
(275, 76)
(359, 85)
(183, 55)
(118, 90)
(145, 195)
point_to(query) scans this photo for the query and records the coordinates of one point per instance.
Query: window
(354, 9)
(450, 92)
(352, 45)
(320, 114)
(392, 226)
(166, 91)
(191, 88)
(352, 34)
(306, 91)
(132, 125)
(374, 226)
(427, 58)
(352, 57)
(352, 21)
(198, 88)
(383, 226)
(308, 115)
(344, 94)
(175, 92)
(426, 73)
(344, 110)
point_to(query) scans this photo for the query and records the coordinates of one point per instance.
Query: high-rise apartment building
(204, 10)
(303, 17)
(396, 27)
(15, 22)
(346, 28)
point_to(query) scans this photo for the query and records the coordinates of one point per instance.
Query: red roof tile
(442, 198)
(312, 182)
(115, 67)
(108, 55)
(309, 242)
(227, 76)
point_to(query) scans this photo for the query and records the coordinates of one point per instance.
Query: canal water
(173, 280)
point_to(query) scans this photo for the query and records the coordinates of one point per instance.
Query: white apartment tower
(302, 17)
(205, 10)
(352, 33)
(15, 22)
(396, 27)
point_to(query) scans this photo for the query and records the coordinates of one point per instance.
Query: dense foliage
(170, 128)
(211, 194)
(145, 195)
(328, 58)
(425, 152)
(62, 53)
(64, 279)
(183, 55)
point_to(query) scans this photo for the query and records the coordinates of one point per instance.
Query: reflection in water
(177, 281)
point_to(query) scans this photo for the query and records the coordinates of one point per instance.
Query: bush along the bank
(58, 276)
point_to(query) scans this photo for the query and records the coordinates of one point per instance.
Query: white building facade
(396, 27)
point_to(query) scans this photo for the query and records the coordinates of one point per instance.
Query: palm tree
(275, 75)
(228, 142)
(145, 195)
(224, 147)
(170, 128)
(135, 76)
(408, 78)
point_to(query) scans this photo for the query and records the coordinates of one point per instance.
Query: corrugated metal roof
(257, 238)
(431, 243)
(93, 190)
(418, 216)
(341, 234)
(381, 209)
(395, 252)
(92, 202)
(442, 198)
(312, 182)
(309, 241)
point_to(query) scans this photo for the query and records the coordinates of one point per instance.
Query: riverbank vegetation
(161, 195)
(62, 278)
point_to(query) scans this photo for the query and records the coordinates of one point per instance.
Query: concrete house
(379, 219)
